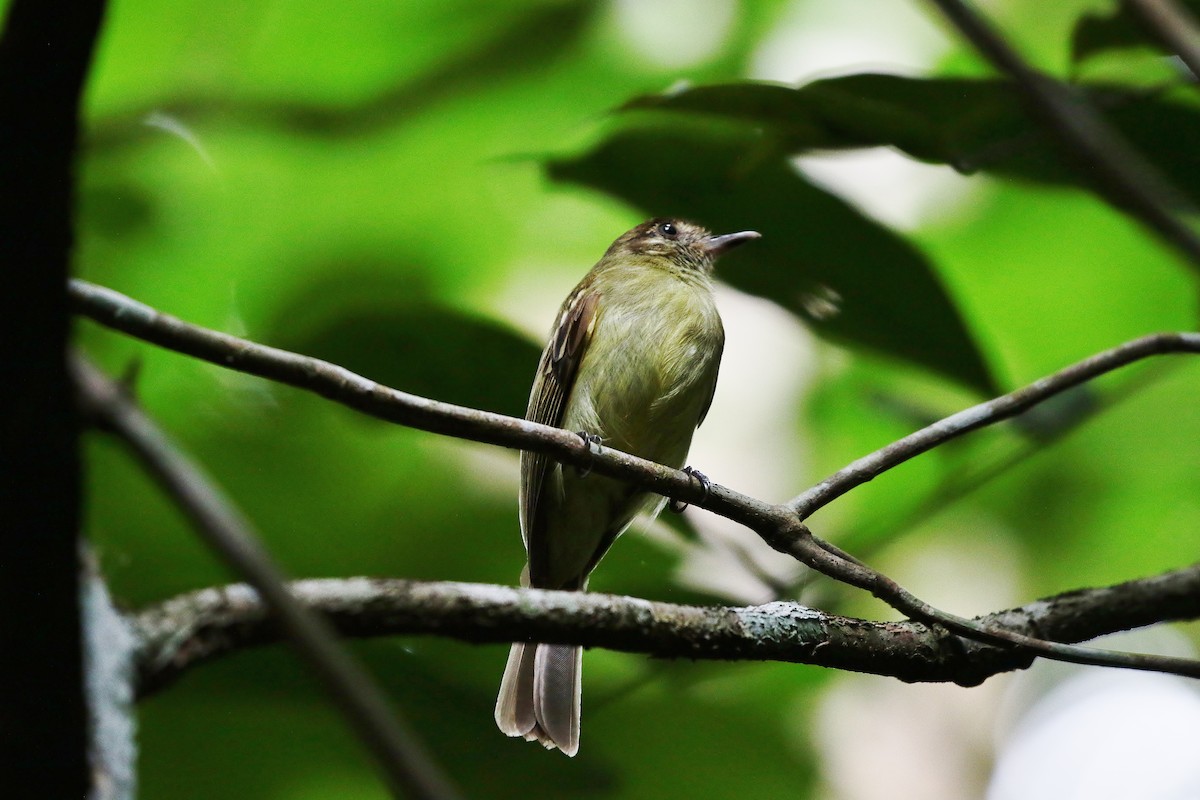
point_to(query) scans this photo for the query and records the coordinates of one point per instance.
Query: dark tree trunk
(45, 51)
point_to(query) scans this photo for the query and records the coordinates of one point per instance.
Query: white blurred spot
(970, 565)
(889, 186)
(1105, 734)
(675, 33)
(817, 39)
(881, 739)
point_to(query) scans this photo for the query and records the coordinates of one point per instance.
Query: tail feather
(557, 691)
(514, 705)
(540, 695)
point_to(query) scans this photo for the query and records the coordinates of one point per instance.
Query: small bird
(631, 364)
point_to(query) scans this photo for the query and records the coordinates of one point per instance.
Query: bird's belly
(646, 402)
(648, 398)
(586, 513)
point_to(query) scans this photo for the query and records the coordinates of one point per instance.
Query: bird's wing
(558, 369)
(712, 389)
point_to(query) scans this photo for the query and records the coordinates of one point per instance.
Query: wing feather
(556, 371)
(712, 389)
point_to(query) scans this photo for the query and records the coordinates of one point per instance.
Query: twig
(408, 769)
(219, 621)
(1129, 180)
(989, 413)
(868, 539)
(1175, 27)
(830, 560)
(117, 311)
(778, 525)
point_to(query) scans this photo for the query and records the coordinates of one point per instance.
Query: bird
(630, 364)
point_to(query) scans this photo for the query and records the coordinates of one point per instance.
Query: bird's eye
(668, 230)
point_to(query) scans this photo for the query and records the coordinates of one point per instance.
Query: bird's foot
(590, 441)
(678, 506)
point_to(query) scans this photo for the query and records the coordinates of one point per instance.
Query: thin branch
(778, 525)
(989, 413)
(829, 560)
(407, 767)
(1127, 179)
(186, 631)
(1175, 27)
(867, 539)
(117, 311)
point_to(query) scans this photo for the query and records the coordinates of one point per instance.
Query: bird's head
(682, 244)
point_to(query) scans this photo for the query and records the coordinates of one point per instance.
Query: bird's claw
(590, 440)
(678, 506)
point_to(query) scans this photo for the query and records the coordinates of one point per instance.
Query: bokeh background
(410, 189)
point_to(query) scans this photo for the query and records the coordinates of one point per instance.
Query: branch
(122, 313)
(198, 627)
(778, 525)
(1127, 179)
(1175, 27)
(408, 769)
(989, 413)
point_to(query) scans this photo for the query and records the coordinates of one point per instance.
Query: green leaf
(1119, 29)
(295, 78)
(850, 278)
(938, 120)
(971, 125)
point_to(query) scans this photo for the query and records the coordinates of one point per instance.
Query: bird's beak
(716, 245)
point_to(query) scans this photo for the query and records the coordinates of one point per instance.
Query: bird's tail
(540, 695)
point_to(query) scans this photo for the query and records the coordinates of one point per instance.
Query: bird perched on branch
(631, 364)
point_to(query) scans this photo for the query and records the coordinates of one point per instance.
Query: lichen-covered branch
(198, 627)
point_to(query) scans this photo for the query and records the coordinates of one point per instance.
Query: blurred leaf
(518, 39)
(849, 277)
(397, 335)
(114, 211)
(939, 120)
(971, 125)
(1119, 29)
(683, 524)
(691, 729)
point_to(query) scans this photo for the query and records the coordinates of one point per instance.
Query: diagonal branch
(404, 762)
(339, 384)
(1175, 27)
(778, 525)
(198, 627)
(989, 413)
(1123, 176)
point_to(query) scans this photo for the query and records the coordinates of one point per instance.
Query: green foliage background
(380, 183)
